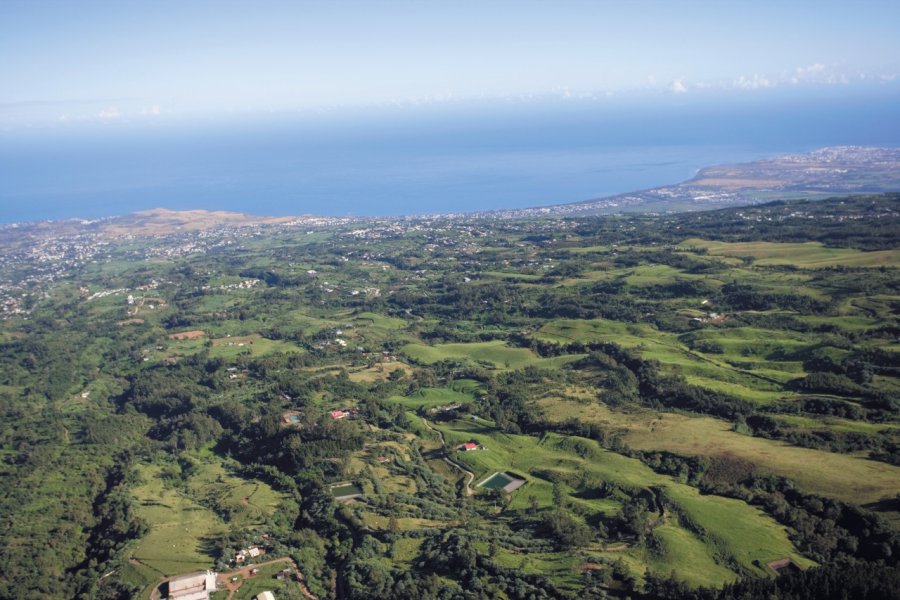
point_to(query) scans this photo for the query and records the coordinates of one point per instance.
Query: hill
(628, 406)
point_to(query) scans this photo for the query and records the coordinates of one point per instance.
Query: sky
(98, 62)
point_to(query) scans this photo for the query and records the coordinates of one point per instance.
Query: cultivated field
(495, 353)
(730, 528)
(841, 476)
(807, 255)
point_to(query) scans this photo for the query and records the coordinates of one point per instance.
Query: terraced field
(732, 532)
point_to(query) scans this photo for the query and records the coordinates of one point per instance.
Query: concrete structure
(265, 596)
(197, 586)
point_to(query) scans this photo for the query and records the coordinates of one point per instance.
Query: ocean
(417, 160)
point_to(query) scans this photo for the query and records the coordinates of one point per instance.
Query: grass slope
(809, 255)
(841, 476)
(732, 532)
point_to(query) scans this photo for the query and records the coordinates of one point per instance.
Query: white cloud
(678, 87)
(152, 111)
(752, 83)
(810, 70)
(110, 112)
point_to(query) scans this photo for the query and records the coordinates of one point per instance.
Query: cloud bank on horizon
(96, 61)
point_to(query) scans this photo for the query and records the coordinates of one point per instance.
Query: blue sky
(105, 61)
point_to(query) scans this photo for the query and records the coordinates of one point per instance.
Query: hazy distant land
(825, 172)
(822, 173)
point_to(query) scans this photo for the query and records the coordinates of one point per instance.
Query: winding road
(470, 476)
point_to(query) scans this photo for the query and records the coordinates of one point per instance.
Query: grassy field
(182, 524)
(379, 321)
(248, 503)
(379, 371)
(681, 547)
(758, 379)
(562, 568)
(405, 550)
(732, 530)
(495, 353)
(252, 345)
(431, 397)
(179, 527)
(809, 255)
(840, 476)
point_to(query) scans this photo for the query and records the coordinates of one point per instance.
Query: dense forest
(698, 405)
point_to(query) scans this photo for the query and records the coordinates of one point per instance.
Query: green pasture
(729, 527)
(510, 275)
(560, 567)
(810, 255)
(840, 476)
(380, 321)
(183, 524)
(467, 386)
(180, 527)
(252, 345)
(645, 275)
(757, 383)
(431, 397)
(854, 323)
(495, 352)
(843, 425)
(405, 550)
(681, 547)
(247, 502)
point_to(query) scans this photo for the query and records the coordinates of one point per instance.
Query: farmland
(183, 521)
(495, 354)
(808, 255)
(575, 408)
(848, 478)
(749, 537)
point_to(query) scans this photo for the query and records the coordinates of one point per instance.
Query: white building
(197, 586)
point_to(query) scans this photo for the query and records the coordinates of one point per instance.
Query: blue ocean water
(416, 160)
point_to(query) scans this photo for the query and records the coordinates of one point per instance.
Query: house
(469, 446)
(267, 595)
(339, 414)
(251, 552)
(197, 586)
